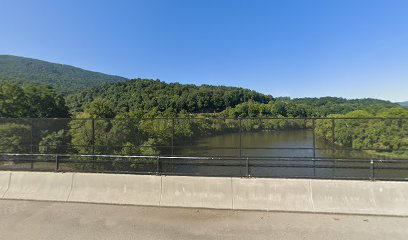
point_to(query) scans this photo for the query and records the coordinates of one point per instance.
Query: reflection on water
(297, 144)
(289, 143)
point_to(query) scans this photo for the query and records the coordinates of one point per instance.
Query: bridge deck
(53, 220)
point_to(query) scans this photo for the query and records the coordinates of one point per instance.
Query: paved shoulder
(51, 220)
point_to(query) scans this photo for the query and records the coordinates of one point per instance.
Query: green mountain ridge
(148, 94)
(81, 87)
(64, 78)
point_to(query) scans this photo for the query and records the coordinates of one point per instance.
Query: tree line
(129, 105)
(144, 94)
(385, 135)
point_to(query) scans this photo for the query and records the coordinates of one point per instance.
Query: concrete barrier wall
(39, 186)
(391, 198)
(4, 182)
(304, 195)
(343, 196)
(272, 194)
(116, 188)
(201, 192)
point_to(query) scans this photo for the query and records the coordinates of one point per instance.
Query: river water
(294, 144)
(288, 143)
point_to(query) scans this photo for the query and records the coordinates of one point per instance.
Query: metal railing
(332, 147)
(318, 168)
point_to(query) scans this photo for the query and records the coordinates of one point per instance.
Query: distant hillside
(121, 95)
(63, 78)
(310, 107)
(404, 104)
(154, 94)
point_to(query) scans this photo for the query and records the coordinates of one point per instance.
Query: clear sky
(296, 48)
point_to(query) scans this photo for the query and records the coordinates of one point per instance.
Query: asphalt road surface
(50, 220)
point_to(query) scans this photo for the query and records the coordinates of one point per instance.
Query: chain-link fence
(263, 147)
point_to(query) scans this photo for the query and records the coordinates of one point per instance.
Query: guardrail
(264, 167)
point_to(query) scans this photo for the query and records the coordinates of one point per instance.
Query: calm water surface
(259, 144)
(289, 143)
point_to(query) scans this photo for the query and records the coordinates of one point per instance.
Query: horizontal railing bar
(227, 175)
(391, 168)
(153, 159)
(193, 157)
(315, 177)
(211, 118)
(276, 166)
(205, 147)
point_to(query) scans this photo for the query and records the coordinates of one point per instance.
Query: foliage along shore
(127, 103)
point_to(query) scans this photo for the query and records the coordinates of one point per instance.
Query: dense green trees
(12, 101)
(174, 97)
(306, 107)
(15, 138)
(356, 130)
(55, 142)
(100, 108)
(30, 101)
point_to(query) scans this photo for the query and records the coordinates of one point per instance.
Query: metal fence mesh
(363, 148)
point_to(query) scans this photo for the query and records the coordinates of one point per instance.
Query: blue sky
(296, 48)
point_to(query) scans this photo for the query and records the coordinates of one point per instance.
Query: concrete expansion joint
(232, 194)
(311, 195)
(8, 185)
(161, 189)
(72, 185)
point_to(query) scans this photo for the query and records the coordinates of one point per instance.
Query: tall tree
(31, 101)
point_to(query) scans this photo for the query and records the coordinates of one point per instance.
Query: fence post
(56, 162)
(172, 138)
(333, 135)
(158, 166)
(240, 137)
(93, 143)
(93, 135)
(314, 146)
(372, 177)
(247, 167)
(31, 143)
(314, 137)
(333, 147)
(172, 146)
(240, 146)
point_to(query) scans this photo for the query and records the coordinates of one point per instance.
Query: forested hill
(154, 96)
(308, 107)
(103, 95)
(64, 78)
(144, 94)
